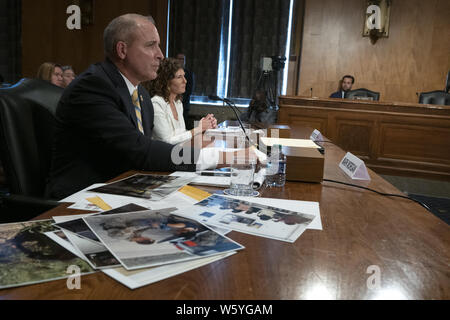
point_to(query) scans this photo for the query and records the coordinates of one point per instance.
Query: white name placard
(316, 136)
(354, 167)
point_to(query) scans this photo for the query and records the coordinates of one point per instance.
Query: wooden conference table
(361, 229)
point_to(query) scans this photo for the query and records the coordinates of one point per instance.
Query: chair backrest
(363, 94)
(435, 97)
(447, 83)
(27, 122)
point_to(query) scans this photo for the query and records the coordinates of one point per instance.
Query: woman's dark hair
(166, 72)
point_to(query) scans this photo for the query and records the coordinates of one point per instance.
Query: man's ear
(121, 50)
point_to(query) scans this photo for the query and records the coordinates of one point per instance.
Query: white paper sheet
(139, 278)
(61, 219)
(293, 205)
(218, 181)
(302, 143)
(168, 246)
(264, 220)
(143, 277)
(176, 199)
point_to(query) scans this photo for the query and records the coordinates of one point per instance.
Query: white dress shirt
(168, 129)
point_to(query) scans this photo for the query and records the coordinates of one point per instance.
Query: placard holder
(316, 136)
(354, 167)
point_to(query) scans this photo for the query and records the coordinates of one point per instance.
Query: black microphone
(232, 106)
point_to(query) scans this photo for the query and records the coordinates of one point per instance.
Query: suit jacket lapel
(122, 90)
(126, 99)
(146, 110)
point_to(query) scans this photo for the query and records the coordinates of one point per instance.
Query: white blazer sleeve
(163, 129)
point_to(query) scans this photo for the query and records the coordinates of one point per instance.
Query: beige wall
(415, 57)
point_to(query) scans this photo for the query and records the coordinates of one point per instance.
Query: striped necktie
(137, 109)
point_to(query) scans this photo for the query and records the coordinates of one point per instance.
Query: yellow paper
(99, 203)
(194, 193)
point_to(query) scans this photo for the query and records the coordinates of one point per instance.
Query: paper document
(147, 186)
(209, 178)
(308, 207)
(157, 237)
(28, 256)
(250, 217)
(185, 196)
(302, 143)
(138, 278)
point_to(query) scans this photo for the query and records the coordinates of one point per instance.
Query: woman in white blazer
(167, 90)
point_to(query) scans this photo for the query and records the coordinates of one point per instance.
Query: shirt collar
(130, 86)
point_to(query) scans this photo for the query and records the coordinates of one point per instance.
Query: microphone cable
(380, 193)
(372, 190)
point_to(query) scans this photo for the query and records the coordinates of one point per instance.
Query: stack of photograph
(136, 245)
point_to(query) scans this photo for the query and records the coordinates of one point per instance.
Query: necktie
(137, 109)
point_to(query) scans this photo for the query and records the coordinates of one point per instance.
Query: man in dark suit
(105, 118)
(345, 85)
(190, 85)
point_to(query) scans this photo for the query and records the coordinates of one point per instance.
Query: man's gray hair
(121, 29)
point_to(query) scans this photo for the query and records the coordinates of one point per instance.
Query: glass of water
(242, 177)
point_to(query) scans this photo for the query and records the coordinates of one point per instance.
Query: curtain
(259, 29)
(195, 30)
(10, 40)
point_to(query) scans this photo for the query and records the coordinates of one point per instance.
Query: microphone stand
(232, 106)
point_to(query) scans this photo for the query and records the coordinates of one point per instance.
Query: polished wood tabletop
(362, 232)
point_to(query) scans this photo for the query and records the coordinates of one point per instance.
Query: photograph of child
(151, 238)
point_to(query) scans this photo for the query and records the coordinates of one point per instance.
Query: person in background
(167, 91)
(190, 85)
(1, 79)
(68, 75)
(52, 73)
(258, 108)
(345, 85)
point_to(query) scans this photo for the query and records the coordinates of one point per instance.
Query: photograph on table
(93, 252)
(28, 256)
(248, 217)
(80, 228)
(137, 278)
(147, 186)
(157, 237)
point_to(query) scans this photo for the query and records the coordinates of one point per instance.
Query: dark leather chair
(363, 94)
(27, 124)
(435, 97)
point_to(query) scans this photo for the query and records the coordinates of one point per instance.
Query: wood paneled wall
(46, 38)
(415, 57)
(392, 138)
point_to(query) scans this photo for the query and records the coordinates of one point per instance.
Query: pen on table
(216, 174)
